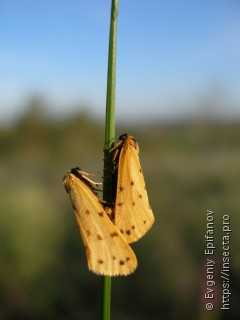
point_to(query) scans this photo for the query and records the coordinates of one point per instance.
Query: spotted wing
(107, 251)
(133, 215)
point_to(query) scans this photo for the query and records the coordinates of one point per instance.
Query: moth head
(76, 171)
(125, 138)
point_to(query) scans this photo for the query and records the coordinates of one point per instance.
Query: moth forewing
(132, 215)
(106, 249)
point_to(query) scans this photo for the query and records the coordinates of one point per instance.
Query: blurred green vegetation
(188, 167)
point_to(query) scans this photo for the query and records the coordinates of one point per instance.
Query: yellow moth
(107, 251)
(132, 213)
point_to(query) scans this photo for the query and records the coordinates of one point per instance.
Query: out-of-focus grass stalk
(109, 142)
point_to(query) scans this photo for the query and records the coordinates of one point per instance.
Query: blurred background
(177, 93)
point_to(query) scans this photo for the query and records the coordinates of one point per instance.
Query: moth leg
(83, 174)
(90, 174)
(117, 145)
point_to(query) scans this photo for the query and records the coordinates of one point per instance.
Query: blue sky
(173, 57)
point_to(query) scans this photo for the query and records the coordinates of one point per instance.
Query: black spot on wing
(120, 204)
(67, 188)
(99, 237)
(114, 234)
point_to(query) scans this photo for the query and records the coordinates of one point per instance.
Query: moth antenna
(107, 168)
(107, 177)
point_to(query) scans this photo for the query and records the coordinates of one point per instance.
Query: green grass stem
(109, 142)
